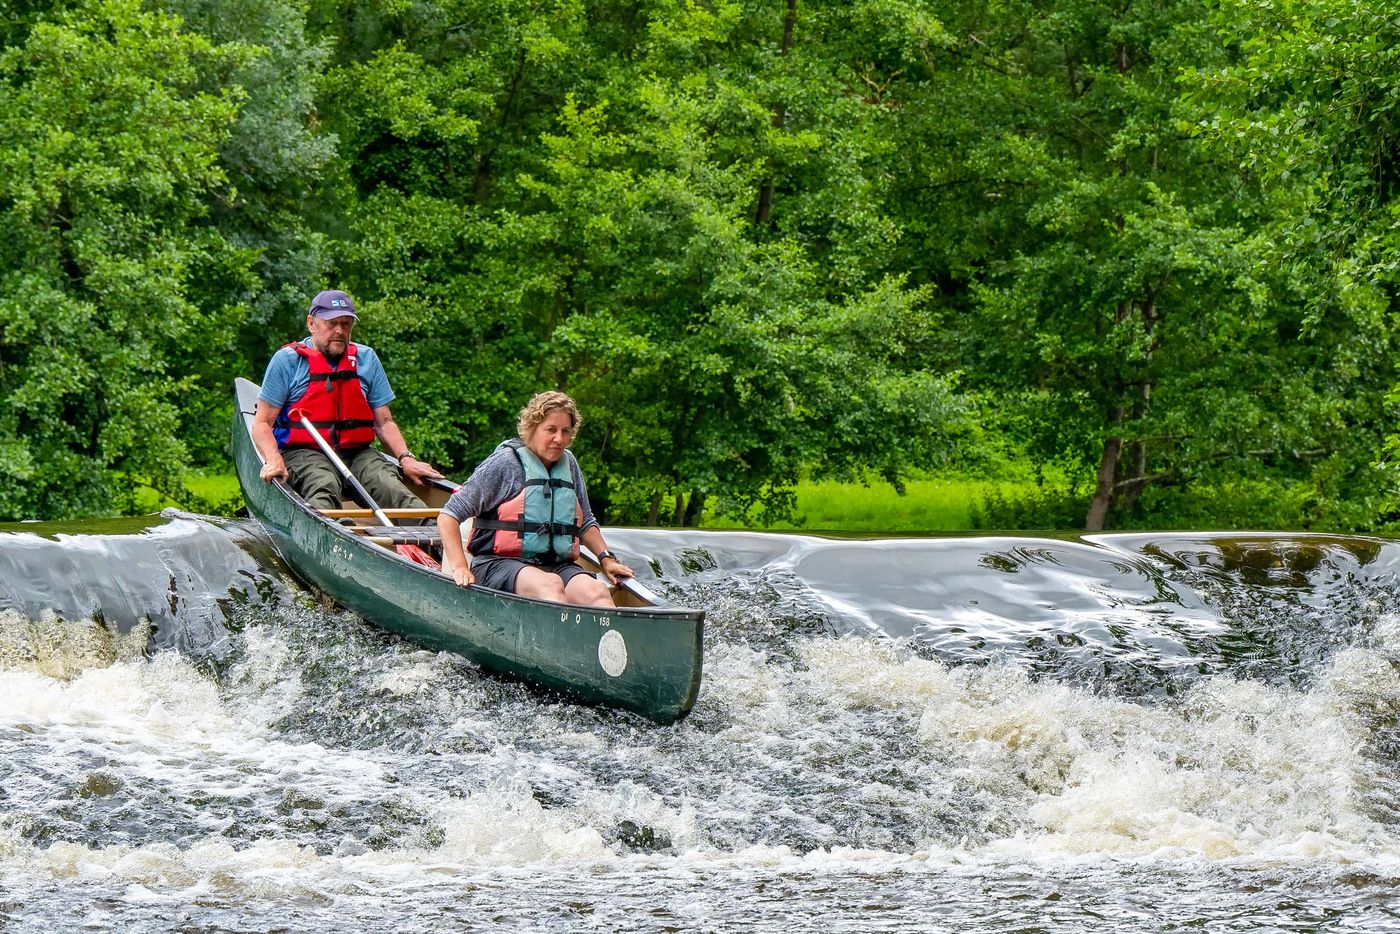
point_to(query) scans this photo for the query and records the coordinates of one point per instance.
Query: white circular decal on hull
(612, 653)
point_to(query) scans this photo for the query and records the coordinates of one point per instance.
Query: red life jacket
(334, 401)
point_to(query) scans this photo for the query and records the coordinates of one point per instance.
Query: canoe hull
(643, 659)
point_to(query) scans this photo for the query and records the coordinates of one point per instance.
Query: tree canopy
(1150, 245)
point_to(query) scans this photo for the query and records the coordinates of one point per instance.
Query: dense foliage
(1149, 245)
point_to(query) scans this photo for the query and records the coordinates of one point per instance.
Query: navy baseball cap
(333, 303)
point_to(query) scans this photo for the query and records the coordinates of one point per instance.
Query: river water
(1161, 732)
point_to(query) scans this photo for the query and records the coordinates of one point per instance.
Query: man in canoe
(341, 386)
(530, 511)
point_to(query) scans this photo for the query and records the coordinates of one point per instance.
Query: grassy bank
(932, 505)
(211, 493)
(961, 504)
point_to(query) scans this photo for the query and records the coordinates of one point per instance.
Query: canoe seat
(424, 536)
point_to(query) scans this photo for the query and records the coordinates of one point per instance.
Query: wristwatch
(407, 454)
(605, 555)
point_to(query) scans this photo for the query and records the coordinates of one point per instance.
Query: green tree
(1312, 111)
(108, 158)
(274, 158)
(665, 210)
(1103, 261)
(437, 108)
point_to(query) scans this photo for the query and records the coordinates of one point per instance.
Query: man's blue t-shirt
(289, 375)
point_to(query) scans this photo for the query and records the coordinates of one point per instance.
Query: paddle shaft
(329, 451)
(626, 583)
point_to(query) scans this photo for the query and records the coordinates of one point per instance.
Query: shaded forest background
(1149, 248)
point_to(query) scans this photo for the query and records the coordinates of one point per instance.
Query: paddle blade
(418, 556)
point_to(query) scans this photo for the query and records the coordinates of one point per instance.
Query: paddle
(626, 583)
(411, 552)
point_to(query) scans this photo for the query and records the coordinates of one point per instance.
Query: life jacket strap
(521, 526)
(550, 484)
(331, 422)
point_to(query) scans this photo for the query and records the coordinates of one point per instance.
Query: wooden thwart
(424, 536)
(414, 513)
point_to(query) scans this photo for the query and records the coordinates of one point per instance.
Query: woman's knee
(588, 590)
(532, 582)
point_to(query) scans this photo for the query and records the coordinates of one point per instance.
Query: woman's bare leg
(587, 590)
(540, 585)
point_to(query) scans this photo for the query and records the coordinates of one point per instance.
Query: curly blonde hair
(541, 407)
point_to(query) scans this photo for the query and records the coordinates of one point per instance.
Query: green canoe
(643, 656)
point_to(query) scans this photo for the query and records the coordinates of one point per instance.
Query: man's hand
(274, 469)
(417, 471)
(463, 576)
(264, 419)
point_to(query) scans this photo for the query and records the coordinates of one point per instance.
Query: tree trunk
(678, 517)
(1135, 482)
(1107, 488)
(1103, 491)
(481, 180)
(1136, 460)
(765, 203)
(654, 516)
(695, 508)
(1137, 451)
(765, 190)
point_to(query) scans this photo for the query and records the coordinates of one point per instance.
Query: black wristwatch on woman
(605, 555)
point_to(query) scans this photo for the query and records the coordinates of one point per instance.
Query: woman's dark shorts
(499, 573)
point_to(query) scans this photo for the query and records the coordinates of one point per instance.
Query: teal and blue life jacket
(541, 522)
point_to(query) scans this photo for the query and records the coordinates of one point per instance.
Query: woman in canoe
(530, 511)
